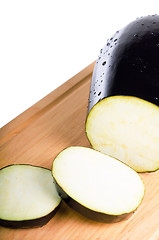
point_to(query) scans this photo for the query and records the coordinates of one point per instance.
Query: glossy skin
(129, 63)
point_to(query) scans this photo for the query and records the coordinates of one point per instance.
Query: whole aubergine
(123, 117)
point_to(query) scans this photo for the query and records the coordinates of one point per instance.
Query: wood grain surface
(38, 135)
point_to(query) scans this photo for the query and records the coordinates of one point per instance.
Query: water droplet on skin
(108, 53)
(99, 93)
(115, 40)
(101, 50)
(104, 63)
(101, 80)
(142, 24)
(135, 35)
(156, 98)
(158, 45)
(94, 93)
(111, 46)
(108, 44)
(111, 38)
(154, 22)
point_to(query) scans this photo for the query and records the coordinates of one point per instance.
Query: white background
(44, 43)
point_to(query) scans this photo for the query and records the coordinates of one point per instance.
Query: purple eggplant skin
(33, 223)
(88, 213)
(129, 63)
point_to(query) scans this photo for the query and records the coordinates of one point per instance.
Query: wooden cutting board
(38, 135)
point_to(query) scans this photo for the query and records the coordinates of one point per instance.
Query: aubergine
(96, 185)
(123, 115)
(28, 196)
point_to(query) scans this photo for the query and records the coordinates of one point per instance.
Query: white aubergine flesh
(126, 128)
(28, 196)
(96, 185)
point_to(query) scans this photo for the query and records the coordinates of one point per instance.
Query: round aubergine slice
(95, 185)
(28, 196)
(123, 118)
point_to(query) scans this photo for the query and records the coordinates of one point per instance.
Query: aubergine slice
(96, 185)
(28, 196)
(123, 117)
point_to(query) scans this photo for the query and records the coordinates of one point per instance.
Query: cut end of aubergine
(96, 185)
(28, 196)
(126, 128)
